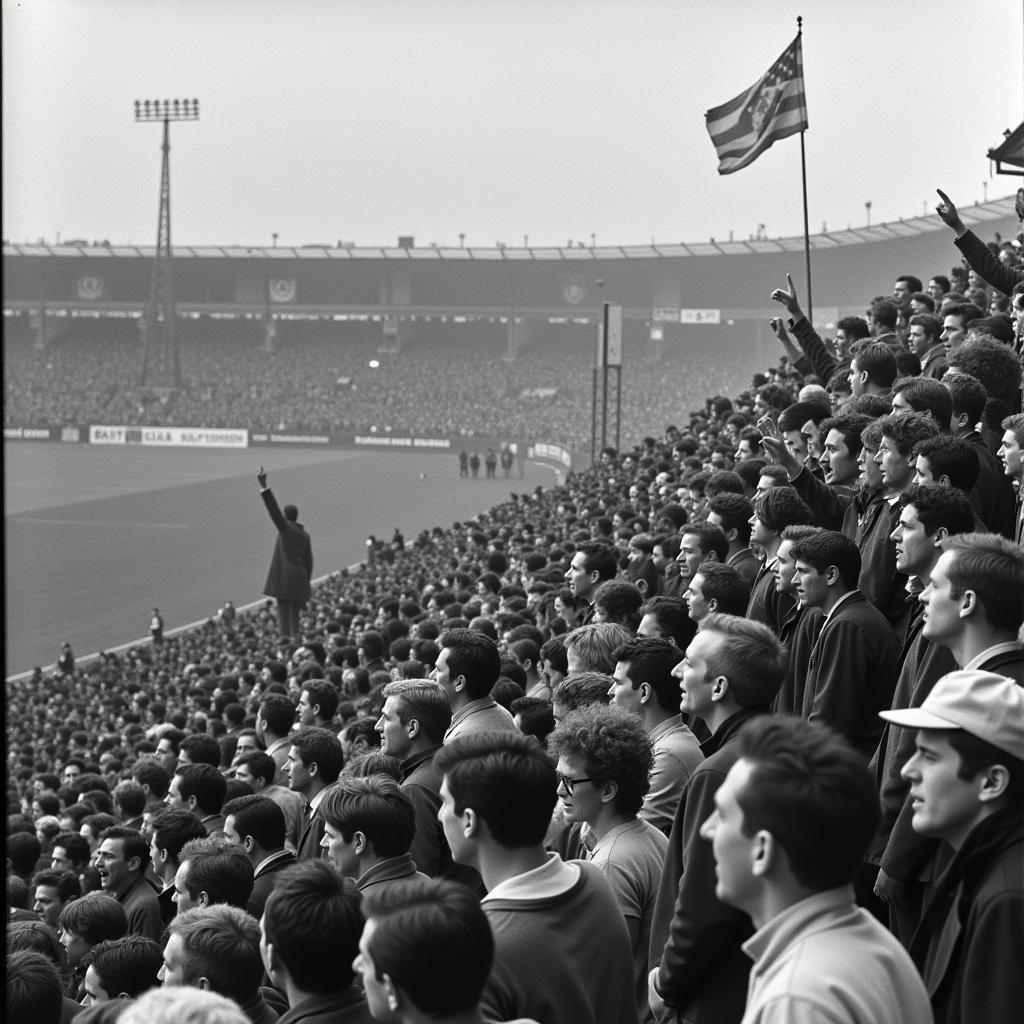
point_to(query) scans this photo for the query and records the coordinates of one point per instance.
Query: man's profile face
(840, 467)
(943, 804)
(377, 996)
(452, 826)
(896, 468)
(917, 341)
(856, 379)
(942, 607)
(696, 601)
(1010, 455)
(811, 586)
(785, 567)
(621, 692)
(690, 556)
(305, 712)
(952, 331)
(915, 549)
(47, 904)
(173, 970)
(113, 867)
(394, 739)
(735, 882)
(94, 990)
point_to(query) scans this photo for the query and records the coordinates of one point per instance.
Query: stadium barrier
(561, 458)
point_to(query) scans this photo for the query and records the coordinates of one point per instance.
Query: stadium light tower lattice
(161, 367)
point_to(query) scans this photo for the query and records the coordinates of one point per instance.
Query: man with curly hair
(604, 759)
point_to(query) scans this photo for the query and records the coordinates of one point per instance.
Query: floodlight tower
(161, 367)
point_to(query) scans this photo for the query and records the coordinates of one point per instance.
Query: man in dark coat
(292, 566)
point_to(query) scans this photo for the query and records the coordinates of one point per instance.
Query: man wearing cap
(967, 788)
(974, 606)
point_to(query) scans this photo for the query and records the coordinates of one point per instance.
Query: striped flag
(772, 108)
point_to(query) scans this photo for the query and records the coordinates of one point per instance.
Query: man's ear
(394, 994)
(994, 783)
(471, 824)
(719, 687)
(764, 854)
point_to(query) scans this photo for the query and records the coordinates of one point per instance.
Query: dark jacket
(980, 259)
(291, 568)
(694, 935)
(265, 879)
(851, 674)
(992, 496)
(968, 946)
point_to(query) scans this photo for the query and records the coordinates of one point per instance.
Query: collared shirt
(845, 599)
(552, 878)
(676, 753)
(482, 715)
(271, 859)
(1006, 647)
(826, 959)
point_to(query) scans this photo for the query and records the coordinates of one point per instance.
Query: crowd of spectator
(317, 381)
(729, 727)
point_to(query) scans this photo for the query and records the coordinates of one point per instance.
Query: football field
(96, 537)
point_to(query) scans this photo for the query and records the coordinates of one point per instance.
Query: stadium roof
(979, 214)
(1010, 151)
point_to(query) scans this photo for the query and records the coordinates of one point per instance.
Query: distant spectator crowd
(314, 382)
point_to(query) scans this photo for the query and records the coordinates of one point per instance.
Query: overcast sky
(555, 119)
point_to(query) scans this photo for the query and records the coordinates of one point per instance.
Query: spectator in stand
(310, 933)
(731, 513)
(314, 763)
(466, 670)
(604, 760)
(965, 784)
(200, 789)
(730, 674)
(217, 949)
(555, 923)
(369, 828)
(33, 989)
(667, 618)
(790, 824)
(1010, 453)
(992, 496)
(851, 671)
(643, 684)
(977, 254)
(121, 969)
(212, 870)
(717, 588)
(255, 824)
(592, 564)
(928, 515)
(122, 860)
(924, 339)
(173, 827)
(773, 512)
(412, 726)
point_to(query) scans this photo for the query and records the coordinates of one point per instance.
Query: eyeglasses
(571, 784)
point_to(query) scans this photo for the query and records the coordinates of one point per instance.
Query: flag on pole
(772, 108)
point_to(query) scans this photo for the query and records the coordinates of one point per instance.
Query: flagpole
(803, 176)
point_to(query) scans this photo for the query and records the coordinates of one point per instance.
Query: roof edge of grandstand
(979, 213)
